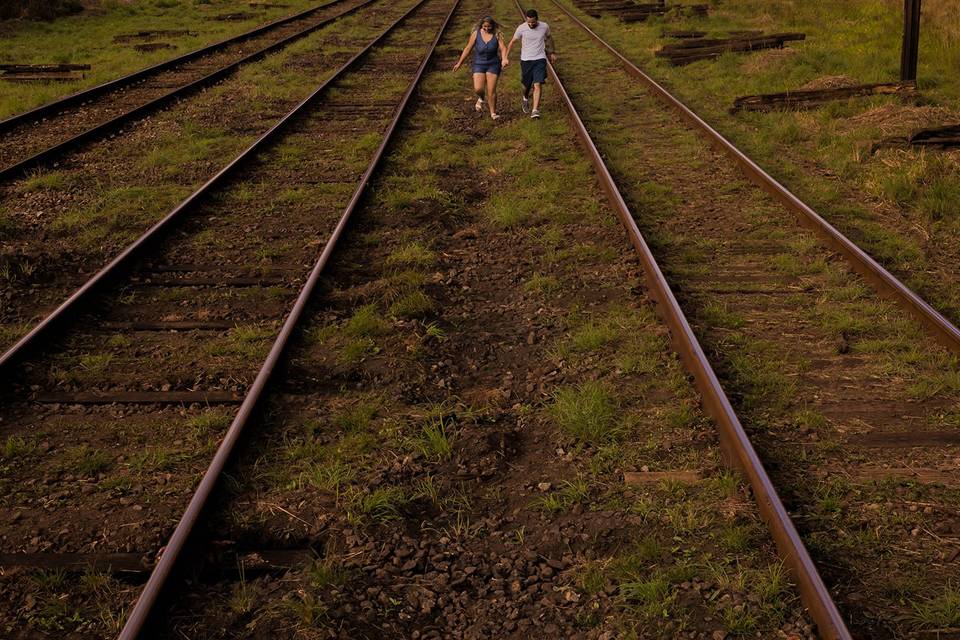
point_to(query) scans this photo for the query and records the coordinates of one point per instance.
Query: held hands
(553, 58)
(505, 62)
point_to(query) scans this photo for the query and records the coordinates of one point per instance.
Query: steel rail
(69, 307)
(46, 110)
(733, 438)
(98, 131)
(178, 540)
(945, 332)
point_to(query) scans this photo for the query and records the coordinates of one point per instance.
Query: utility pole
(911, 41)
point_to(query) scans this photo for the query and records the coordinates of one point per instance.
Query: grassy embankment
(87, 38)
(900, 204)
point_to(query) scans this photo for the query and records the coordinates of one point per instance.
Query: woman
(489, 58)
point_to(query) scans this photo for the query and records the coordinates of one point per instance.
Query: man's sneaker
(479, 106)
(535, 113)
(526, 105)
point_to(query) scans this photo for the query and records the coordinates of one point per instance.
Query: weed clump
(587, 413)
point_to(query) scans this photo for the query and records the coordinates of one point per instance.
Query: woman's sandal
(479, 105)
(494, 116)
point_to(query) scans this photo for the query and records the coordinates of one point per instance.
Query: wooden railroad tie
(683, 35)
(706, 48)
(233, 17)
(253, 562)
(42, 72)
(124, 38)
(946, 137)
(809, 98)
(147, 47)
(636, 12)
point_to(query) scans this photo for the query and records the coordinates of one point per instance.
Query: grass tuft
(587, 413)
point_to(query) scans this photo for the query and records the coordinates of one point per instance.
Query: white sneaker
(535, 113)
(479, 105)
(526, 105)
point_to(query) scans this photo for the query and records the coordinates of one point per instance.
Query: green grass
(88, 38)
(542, 284)
(366, 323)
(587, 413)
(358, 417)
(247, 341)
(382, 504)
(412, 305)
(87, 461)
(357, 349)
(939, 612)
(414, 254)
(592, 336)
(434, 441)
(16, 447)
(569, 493)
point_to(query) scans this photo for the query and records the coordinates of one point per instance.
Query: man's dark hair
(532, 13)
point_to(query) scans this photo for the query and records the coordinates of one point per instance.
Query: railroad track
(815, 361)
(180, 321)
(45, 134)
(108, 195)
(409, 569)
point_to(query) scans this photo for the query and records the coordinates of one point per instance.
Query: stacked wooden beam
(147, 36)
(629, 11)
(683, 35)
(42, 72)
(946, 137)
(809, 98)
(707, 48)
(943, 137)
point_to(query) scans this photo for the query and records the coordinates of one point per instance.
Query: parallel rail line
(52, 108)
(945, 331)
(733, 437)
(119, 269)
(173, 550)
(25, 123)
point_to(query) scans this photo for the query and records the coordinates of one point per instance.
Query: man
(535, 41)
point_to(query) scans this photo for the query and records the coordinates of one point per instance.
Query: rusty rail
(150, 595)
(942, 329)
(114, 269)
(51, 108)
(98, 131)
(733, 438)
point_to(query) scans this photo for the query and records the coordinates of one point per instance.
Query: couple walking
(490, 55)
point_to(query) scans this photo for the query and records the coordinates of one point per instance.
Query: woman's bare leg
(492, 92)
(478, 82)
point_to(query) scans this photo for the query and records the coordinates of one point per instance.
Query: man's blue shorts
(487, 67)
(533, 71)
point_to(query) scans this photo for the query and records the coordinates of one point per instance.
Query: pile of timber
(946, 137)
(232, 17)
(147, 47)
(707, 48)
(809, 98)
(629, 11)
(147, 36)
(683, 35)
(42, 72)
(943, 137)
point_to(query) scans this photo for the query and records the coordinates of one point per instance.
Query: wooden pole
(911, 41)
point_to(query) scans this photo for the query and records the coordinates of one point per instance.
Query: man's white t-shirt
(532, 41)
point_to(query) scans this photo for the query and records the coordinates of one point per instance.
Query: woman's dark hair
(532, 13)
(494, 27)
